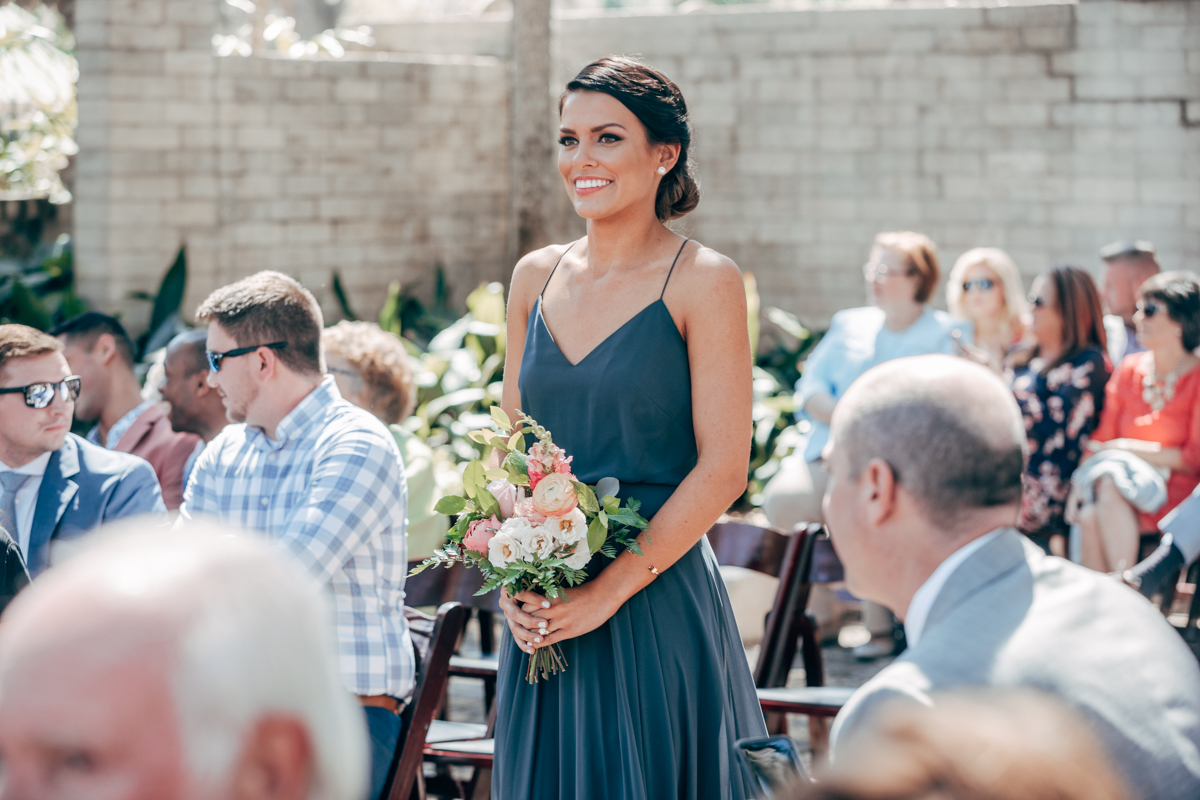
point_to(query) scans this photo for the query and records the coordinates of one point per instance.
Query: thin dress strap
(556, 263)
(668, 280)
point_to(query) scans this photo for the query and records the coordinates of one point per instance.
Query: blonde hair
(921, 254)
(998, 262)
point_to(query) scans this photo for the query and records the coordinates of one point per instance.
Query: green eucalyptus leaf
(610, 504)
(517, 442)
(473, 482)
(450, 504)
(603, 518)
(500, 417)
(597, 533)
(496, 474)
(587, 498)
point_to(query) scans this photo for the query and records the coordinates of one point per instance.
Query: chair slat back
(434, 640)
(432, 587)
(787, 621)
(742, 544)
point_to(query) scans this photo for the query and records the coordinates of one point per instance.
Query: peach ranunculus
(524, 508)
(480, 533)
(554, 495)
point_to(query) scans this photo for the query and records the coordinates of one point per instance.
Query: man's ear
(878, 483)
(277, 761)
(267, 362)
(104, 349)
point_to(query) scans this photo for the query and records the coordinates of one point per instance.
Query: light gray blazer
(1012, 616)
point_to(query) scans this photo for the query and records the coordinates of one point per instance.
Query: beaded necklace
(1158, 394)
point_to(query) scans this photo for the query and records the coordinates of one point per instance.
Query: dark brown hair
(270, 307)
(658, 104)
(22, 341)
(1180, 293)
(382, 364)
(86, 328)
(1078, 302)
(921, 254)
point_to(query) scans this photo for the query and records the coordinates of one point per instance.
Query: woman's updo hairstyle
(658, 104)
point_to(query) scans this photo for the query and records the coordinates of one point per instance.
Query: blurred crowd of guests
(1109, 400)
(281, 426)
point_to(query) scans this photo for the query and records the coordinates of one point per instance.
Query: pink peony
(554, 495)
(534, 478)
(506, 496)
(480, 533)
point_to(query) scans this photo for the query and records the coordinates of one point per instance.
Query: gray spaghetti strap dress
(652, 701)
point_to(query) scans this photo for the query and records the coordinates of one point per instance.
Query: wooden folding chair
(434, 640)
(809, 559)
(741, 544)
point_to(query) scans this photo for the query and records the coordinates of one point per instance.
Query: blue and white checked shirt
(331, 489)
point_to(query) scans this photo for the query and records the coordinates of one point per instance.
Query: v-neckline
(598, 345)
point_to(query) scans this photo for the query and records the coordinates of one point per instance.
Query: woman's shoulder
(703, 276)
(534, 268)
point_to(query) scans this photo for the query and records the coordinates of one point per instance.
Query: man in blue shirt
(316, 474)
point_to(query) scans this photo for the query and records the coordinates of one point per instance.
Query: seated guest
(196, 407)
(1180, 546)
(985, 289)
(1014, 744)
(1059, 385)
(901, 275)
(1152, 413)
(1127, 265)
(320, 476)
(926, 458)
(216, 678)
(100, 352)
(55, 486)
(374, 372)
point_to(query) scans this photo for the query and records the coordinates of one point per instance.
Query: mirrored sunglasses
(983, 285)
(1150, 309)
(40, 395)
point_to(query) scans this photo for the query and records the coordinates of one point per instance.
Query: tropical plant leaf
(26, 308)
(169, 299)
(339, 291)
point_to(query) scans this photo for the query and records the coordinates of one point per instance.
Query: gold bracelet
(653, 569)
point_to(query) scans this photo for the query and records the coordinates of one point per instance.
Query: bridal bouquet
(529, 525)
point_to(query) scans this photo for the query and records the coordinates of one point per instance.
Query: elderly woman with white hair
(985, 289)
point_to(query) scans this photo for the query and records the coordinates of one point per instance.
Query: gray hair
(940, 445)
(255, 636)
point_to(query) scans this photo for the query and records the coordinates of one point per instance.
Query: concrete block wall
(379, 167)
(1047, 129)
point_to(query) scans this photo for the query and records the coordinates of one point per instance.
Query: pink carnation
(480, 534)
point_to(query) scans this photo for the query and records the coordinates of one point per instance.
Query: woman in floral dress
(1059, 385)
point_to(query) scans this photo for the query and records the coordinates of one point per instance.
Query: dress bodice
(624, 410)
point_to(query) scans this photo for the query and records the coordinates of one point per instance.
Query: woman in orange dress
(1152, 410)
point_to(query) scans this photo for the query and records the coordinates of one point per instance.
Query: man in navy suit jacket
(55, 486)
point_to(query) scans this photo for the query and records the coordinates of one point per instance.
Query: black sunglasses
(983, 285)
(215, 359)
(40, 395)
(1150, 309)
(1037, 300)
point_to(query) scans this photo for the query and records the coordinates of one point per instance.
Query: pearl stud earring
(662, 170)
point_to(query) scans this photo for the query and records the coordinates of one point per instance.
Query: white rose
(569, 528)
(506, 548)
(539, 540)
(581, 556)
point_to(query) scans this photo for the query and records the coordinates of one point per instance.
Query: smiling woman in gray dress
(630, 346)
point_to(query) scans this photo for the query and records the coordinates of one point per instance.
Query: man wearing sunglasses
(316, 474)
(1127, 265)
(55, 486)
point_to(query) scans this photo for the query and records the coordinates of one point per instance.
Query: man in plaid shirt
(316, 474)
